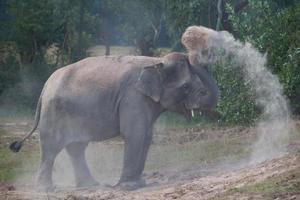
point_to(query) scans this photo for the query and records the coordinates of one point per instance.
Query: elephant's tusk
(192, 112)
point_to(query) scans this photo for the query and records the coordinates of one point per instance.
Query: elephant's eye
(185, 87)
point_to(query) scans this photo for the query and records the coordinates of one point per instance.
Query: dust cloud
(274, 124)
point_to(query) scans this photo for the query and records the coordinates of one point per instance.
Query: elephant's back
(102, 70)
(95, 77)
(140, 61)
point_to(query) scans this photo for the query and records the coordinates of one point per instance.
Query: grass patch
(105, 160)
(16, 165)
(279, 187)
(13, 166)
(175, 120)
(16, 112)
(196, 153)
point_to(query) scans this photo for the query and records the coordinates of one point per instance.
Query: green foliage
(141, 24)
(13, 165)
(275, 30)
(8, 67)
(282, 186)
(181, 14)
(79, 26)
(290, 77)
(285, 53)
(237, 101)
(32, 28)
(40, 36)
(37, 29)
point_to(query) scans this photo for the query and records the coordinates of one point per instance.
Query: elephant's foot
(132, 185)
(87, 183)
(44, 184)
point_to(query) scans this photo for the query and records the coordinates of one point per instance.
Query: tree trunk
(209, 14)
(105, 36)
(145, 47)
(107, 49)
(105, 29)
(220, 13)
(79, 53)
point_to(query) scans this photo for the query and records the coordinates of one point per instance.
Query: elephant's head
(177, 85)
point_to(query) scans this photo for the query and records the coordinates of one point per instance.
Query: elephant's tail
(17, 145)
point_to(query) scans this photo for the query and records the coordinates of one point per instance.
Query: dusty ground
(219, 186)
(197, 175)
(203, 188)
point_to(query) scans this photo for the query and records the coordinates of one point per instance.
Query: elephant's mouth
(190, 113)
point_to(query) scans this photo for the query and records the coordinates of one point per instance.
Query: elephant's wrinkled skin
(102, 97)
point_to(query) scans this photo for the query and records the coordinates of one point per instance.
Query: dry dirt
(201, 188)
(178, 184)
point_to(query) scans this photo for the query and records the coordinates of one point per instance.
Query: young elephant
(102, 97)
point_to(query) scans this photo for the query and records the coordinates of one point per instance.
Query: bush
(290, 78)
(284, 53)
(237, 101)
(9, 67)
(275, 29)
(20, 85)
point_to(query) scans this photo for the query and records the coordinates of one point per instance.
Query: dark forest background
(38, 37)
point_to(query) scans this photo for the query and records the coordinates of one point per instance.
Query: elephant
(99, 98)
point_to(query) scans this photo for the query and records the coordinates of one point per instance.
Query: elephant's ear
(149, 81)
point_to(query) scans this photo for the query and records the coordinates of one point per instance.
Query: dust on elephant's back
(94, 72)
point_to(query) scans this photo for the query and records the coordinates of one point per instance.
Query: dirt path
(186, 183)
(203, 188)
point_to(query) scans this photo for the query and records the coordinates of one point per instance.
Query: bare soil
(192, 182)
(209, 187)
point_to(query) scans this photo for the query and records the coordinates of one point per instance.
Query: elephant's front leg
(137, 141)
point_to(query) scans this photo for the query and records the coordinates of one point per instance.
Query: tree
(33, 29)
(141, 24)
(180, 15)
(273, 27)
(108, 17)
(78, 25)
(220, 14)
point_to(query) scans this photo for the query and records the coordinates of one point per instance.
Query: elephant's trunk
(210, 99)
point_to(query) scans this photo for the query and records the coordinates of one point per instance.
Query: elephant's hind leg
(48, 155)
(82, 173)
